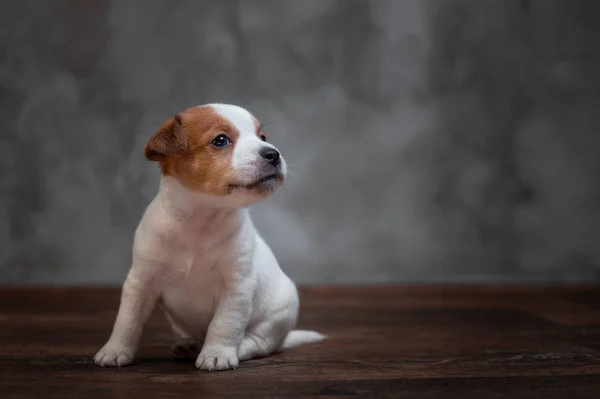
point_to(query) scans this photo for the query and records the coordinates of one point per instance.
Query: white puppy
(196, 252)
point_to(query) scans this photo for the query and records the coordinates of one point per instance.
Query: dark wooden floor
(402, 341)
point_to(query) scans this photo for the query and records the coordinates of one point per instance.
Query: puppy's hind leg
(267, 336)
(185, 346)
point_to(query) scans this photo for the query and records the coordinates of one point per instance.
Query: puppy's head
(219, 150)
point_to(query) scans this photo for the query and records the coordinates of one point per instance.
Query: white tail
(299, 337)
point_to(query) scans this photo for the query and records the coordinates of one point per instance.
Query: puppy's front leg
(137, 303)
(226, 330)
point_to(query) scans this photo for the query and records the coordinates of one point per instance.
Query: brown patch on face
(183, 147)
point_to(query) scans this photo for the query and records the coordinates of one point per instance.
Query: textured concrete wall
(429, 140)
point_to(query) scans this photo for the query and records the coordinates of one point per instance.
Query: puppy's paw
(217, 358)
(114, 355)
(186, 348)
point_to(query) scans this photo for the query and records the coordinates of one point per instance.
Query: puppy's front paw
(112, 355)
(217, 358)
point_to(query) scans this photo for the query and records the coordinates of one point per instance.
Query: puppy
(196, 253)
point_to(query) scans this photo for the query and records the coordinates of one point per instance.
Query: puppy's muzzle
(271, 156)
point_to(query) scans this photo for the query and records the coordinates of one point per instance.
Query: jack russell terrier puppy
(196, 253)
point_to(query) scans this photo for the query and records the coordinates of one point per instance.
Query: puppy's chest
(195, 267)
(193, 261)
(192, 294)
(192, 281)
(190, 288)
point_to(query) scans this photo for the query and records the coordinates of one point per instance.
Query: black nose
(271, 155)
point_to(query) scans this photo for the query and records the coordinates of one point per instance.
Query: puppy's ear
(168, 140)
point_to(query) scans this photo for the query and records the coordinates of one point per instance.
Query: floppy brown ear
(168, 140)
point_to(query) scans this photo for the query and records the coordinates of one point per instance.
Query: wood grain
(385, 341)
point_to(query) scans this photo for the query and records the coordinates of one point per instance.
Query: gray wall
(430, 140)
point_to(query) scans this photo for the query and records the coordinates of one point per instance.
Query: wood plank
(384, 341)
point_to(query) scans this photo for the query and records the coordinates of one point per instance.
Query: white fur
(245, 152)
(200, 259)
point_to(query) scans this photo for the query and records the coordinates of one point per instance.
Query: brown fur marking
(200, 166)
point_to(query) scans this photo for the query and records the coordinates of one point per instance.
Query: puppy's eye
(220, 141)
(263, 137)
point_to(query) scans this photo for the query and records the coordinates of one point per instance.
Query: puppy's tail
(300, 337)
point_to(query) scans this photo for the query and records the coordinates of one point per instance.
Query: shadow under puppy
(196, 252)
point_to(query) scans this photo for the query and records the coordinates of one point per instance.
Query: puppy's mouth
(265, 183)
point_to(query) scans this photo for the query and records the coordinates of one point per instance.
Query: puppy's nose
(271, 155)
